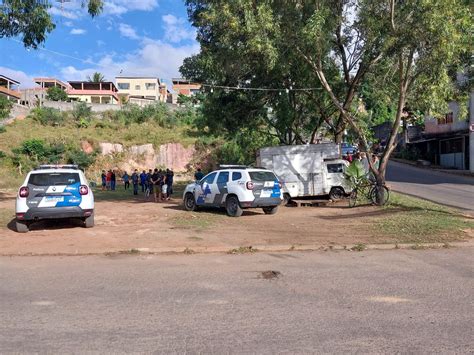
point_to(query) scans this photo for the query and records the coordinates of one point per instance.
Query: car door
(204, 191)
(221, 188)
(334, 175)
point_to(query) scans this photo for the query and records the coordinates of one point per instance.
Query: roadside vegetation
(413, 220)
(50, 136)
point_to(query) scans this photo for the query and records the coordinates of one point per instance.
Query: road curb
(258, 249)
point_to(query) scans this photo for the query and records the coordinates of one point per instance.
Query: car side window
(335, 168)
(236, 176)
(223, 177)
(209, 179)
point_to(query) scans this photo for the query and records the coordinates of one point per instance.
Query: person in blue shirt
(143, 180)
(169, 183)
(126, 180)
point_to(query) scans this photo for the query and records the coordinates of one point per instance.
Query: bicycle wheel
(379, 198)
(353, 198)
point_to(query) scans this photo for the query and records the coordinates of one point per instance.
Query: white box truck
(307, 170)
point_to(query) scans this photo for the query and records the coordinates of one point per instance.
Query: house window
(446, 119)
(124, 86)
(137, 87)
(150, 86)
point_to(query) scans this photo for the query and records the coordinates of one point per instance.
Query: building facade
(96, 93)
(9, 89)
(37, 95)
(141, 90)
(182, 86)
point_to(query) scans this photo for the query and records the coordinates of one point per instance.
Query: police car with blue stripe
(53, 192)
(235, 188)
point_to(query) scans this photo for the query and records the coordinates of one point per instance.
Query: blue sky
(131, 37)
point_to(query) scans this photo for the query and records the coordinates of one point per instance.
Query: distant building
(448, 140)
(9, 88)
(95, 93)
(182, 86)
(141, 90)
(37, 95)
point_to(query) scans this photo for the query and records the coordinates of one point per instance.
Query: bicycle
(368, 189)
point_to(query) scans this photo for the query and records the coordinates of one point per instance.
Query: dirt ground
(133, 224)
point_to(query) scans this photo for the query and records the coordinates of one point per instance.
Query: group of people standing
(157, 182)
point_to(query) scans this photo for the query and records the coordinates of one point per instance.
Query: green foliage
(47, 116)
(131, 113)
(34, 151)
(96, 78)
(55, 93)
(356, 173)
(80, 158)
(2, 154)
(82, 115)
(30, 19)
(5, 107)
(3, 129)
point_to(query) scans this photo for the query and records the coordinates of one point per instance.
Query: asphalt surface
(444, 188)
(400, 301)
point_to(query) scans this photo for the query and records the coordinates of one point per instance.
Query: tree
(5, 107)
(55, 93)
(402, 49)
(417, 41)
(31, 20)
(242, 46)
(96, 78)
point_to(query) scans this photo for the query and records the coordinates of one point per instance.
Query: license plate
(266, 193)
(54, 199)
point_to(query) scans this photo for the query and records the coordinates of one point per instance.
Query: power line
(287, 90)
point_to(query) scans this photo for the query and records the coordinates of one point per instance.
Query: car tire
(232, 207)
(337, 193)
(270, 210)
(22, 227)
(189, 202)
(89, 221)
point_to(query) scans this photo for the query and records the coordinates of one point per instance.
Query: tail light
(249, 185)
(83, 190)
(24, 191)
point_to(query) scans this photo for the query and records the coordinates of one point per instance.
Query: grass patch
(413, 220)
(243, 250)
(188, 251)
(199, 221)
(359, 247)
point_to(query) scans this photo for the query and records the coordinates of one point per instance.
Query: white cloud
(154, 58)
(77, 31)
(26, 81)
(176, 29)
(70, 13)
(119, 7)
(128, 31)
(68, 23)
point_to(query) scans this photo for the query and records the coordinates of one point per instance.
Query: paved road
(333, 302)
(449, 189)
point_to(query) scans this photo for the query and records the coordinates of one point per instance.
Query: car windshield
(50, 179)
(262, 176)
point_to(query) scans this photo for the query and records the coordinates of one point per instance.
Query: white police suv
(53, 192)
(235, 188)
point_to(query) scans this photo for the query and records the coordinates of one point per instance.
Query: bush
(2, 154)
(55, 93)
(82, 114)
(80, 158)
(34, 148)
(5, 107)
(47, 116)
(3, 129)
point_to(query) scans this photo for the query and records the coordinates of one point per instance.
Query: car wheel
(189, 202)
(89, 221)
(336, 193)
(22, 227)
(270, 210)
(232, 207)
